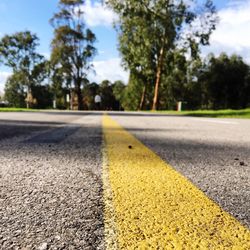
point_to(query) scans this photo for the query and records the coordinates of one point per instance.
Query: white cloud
(3, 78)
(233, 31)
(46, 55)
(97, 14)
(110, 69)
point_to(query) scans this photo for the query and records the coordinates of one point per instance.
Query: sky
(231, 36)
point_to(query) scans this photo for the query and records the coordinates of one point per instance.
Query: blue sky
(34, 15)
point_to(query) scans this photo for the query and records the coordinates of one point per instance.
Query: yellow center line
(155, 207)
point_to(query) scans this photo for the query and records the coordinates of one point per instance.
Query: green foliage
(107, 96)
(119, 91)
(18, 51)
(225, 83)
(112, 95)
(150, 31)
(60, 85)
(89, 93)
(174, 82)
(72, 46)
(132, 94)
(214, 83)
(15, 91)
(43, 96)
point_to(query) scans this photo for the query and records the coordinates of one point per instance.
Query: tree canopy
(150, 30)
(18, 51)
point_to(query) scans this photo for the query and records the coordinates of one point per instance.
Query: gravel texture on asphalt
(51, 193)
(213, 153)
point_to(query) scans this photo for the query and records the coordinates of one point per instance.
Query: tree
(107, 96)
(174, 81)
(18, 51)
(225, 82)
(132, 93)
(246, 94)
(72, 46)
(43, 95)
(60, 85)
(138, 60)
(159, 27)
(118, 91)
(15, 91)
(90, 91)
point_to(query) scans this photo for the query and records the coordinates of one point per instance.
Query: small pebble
(130, 147)
(43, 246)
(57, 237)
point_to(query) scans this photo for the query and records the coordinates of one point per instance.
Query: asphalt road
(51, 171)
(50, 181)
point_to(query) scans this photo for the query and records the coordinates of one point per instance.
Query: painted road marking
(216, 121)
(156, 207)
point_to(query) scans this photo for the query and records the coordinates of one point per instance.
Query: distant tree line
(159, 42)
(212, 83)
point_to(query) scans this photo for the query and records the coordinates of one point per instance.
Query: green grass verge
(228, 113)
(17, 110)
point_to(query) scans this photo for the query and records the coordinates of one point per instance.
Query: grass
(17, 110)
(228, 113)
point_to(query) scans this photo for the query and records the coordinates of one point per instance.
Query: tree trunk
(27, 103)
(28, 98)
(79, 94)
(158, 79)
(143, 97)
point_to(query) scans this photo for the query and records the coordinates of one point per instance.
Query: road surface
(60, 187)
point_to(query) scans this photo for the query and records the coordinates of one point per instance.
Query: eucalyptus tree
(72, 45)
(225, 81)
(137, 59)
(156, 28)
(18, 51)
